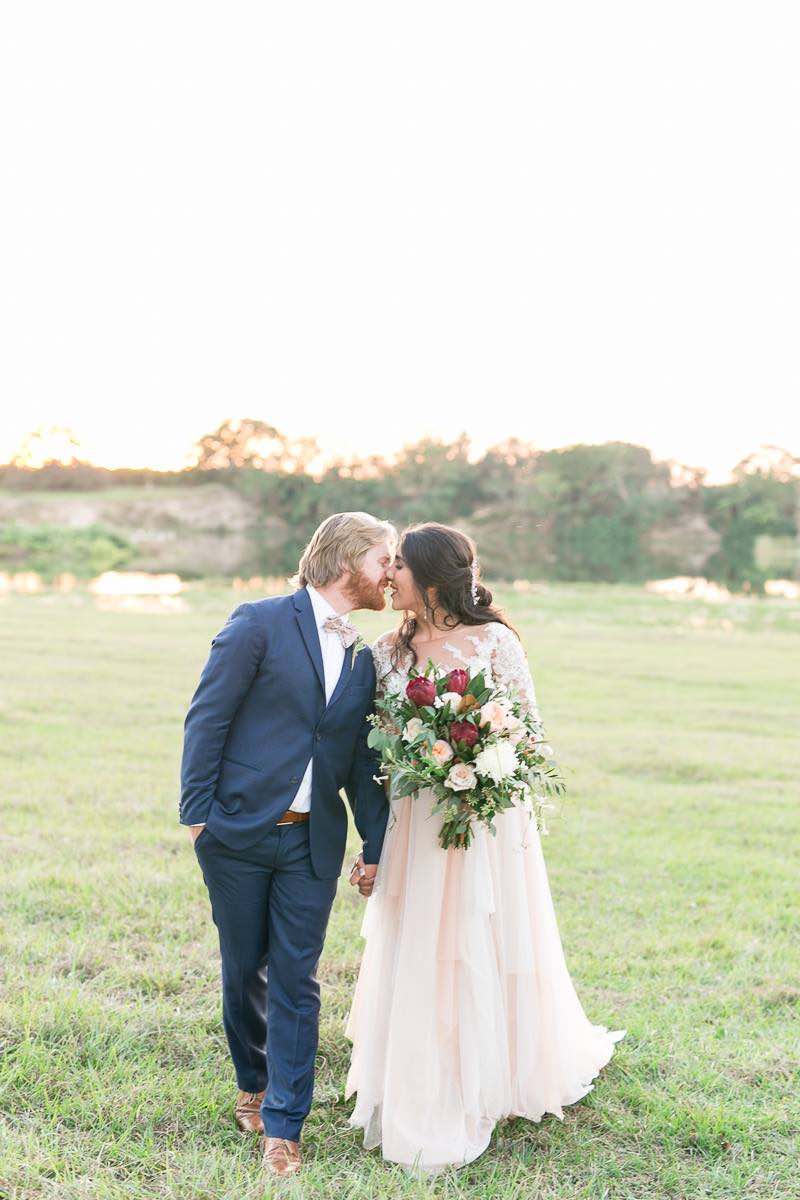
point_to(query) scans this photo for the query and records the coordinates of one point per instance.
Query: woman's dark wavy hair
(441, 557)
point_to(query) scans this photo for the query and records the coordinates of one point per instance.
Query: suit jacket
(256, 718)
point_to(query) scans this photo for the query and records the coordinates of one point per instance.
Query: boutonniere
(358, 645)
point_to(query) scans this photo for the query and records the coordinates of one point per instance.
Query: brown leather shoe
(280, 1157)
(248, 1112)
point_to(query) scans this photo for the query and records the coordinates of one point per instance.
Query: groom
(276, 727)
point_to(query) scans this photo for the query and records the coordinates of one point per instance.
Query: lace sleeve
(381, 651)
(510, 668)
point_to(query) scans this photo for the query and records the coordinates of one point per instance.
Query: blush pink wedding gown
(464, 1011)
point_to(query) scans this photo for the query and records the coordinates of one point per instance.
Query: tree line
(585, 512)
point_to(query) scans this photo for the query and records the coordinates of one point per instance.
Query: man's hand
(363, 875)
(195, 831)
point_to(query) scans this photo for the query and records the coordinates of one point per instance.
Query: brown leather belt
(290, 817)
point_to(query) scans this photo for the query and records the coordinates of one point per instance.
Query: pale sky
(372, 222)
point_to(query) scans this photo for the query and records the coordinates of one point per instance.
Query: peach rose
(441, 752)
(494, 714)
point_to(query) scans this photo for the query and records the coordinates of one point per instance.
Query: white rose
(413, 727)
(441, 752)
(494, 714)
(497, 761)
(461, 777)
(451, 698)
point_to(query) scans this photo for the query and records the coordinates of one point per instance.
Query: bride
(464, 1011)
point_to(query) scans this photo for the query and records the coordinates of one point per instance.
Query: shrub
(53, 549)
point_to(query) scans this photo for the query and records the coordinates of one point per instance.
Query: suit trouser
(271, 913)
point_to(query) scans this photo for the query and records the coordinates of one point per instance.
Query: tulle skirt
(464, 1011)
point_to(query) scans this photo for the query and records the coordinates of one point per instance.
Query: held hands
(362, 875)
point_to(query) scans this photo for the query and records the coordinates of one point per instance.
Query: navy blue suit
(257, 717)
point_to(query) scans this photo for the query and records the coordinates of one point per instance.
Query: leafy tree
(251, 443)
(604, 498)
(763, 499)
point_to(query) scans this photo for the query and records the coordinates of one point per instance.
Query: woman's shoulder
(494, 633)
(386, 641)
(503, 632)
(383, 654)
(504, 642)
(383, 646)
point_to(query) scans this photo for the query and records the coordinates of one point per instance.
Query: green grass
(674, 871)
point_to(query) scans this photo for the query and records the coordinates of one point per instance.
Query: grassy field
(674, 871)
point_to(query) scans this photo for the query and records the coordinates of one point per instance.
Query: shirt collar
(322, 607)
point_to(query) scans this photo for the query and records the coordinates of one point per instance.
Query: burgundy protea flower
(463, 731)
(457, 681)
(421, 690)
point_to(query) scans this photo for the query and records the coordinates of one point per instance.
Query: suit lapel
(304, 615)
(345, 675)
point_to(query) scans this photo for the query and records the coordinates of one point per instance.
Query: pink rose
(461, 777)
(515, 729)
(494, 714)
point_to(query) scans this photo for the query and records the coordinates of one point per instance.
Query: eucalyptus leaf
(405, 787)
(377, 739)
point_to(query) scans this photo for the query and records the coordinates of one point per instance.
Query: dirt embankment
(204, 530)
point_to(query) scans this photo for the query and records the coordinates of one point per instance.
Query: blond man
(276, 728)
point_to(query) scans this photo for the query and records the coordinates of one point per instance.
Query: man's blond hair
(339, 545)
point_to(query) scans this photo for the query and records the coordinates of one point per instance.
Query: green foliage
(585, 512)
(754, 505)
(53, 550)
(608, 496)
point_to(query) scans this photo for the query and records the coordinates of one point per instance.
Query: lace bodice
(497, 652)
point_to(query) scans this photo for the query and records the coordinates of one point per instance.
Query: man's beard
(363, 593)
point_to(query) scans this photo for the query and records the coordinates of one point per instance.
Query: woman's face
(402, 588)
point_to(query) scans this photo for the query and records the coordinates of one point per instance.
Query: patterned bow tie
(345, 632)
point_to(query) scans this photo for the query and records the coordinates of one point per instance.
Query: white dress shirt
(332, 662)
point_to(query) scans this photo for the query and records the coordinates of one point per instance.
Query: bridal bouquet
(472, 744)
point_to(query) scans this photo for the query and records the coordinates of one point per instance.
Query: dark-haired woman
(464, 1011)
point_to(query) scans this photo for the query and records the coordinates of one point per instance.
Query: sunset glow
(535, 226)
(103, 442)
